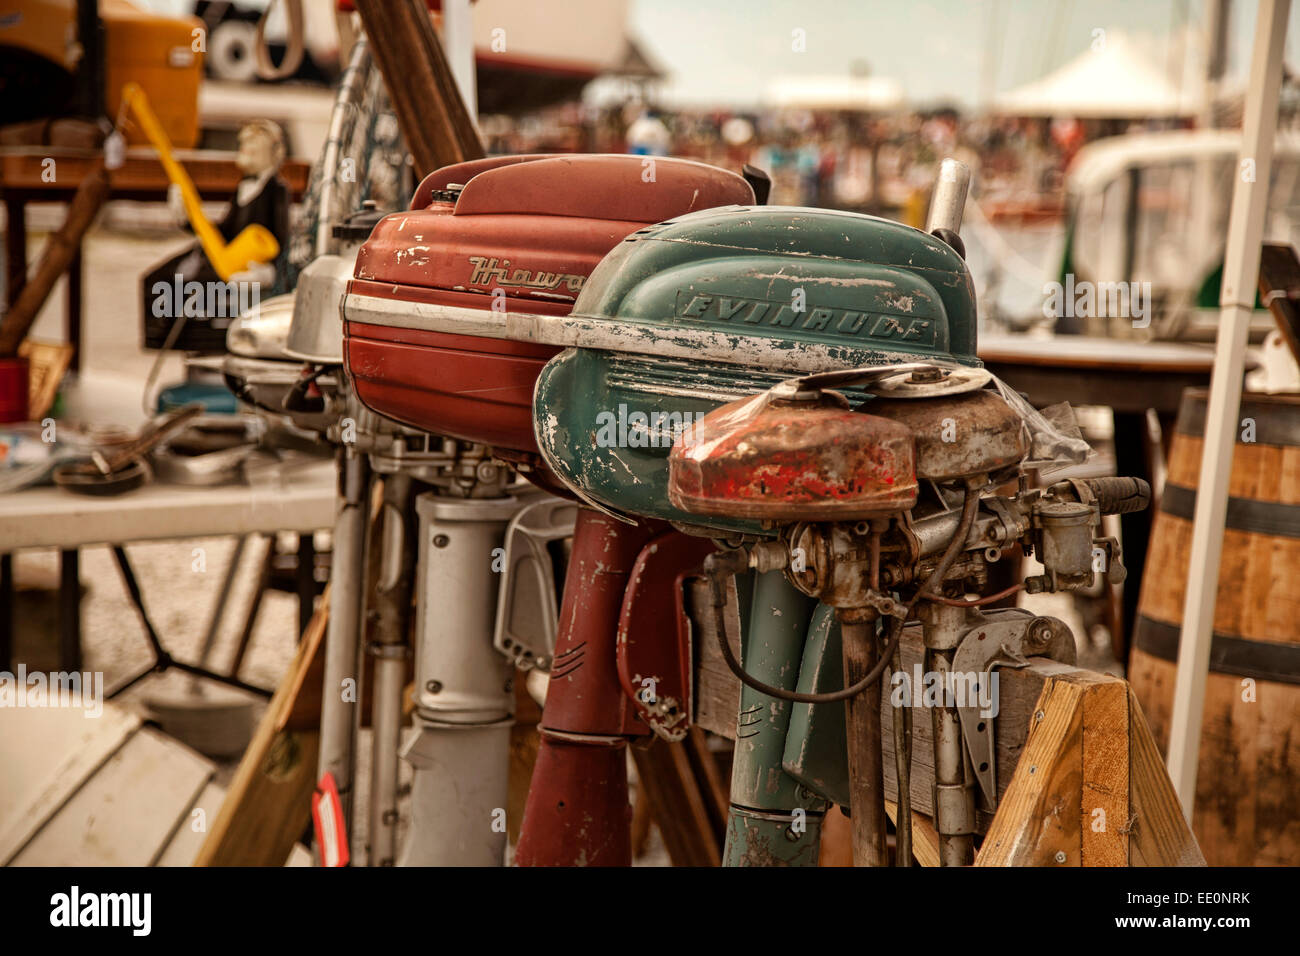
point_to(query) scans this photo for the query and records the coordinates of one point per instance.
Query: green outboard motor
(692, 313)
(788, 289)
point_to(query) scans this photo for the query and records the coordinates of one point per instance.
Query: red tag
(327, 819)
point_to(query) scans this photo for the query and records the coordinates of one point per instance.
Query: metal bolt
(1060, 856)
(433, 686)
(441, 541)
(1039, 715)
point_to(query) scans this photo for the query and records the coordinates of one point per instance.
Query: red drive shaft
(577, 812)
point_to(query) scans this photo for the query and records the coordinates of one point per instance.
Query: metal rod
(219, 608)
(954, 811)
(341, 689)
(949, 199)
(866, 761)
(902, 764)
(392, 620)
(1236, 299)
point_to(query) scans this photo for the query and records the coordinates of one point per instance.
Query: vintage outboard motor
(840, 499)
(690, 314)
(428, 346)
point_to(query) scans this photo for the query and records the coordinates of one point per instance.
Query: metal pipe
(391, 616)
(949, 199)
(954, 793)
(341, 688)
(902, 764)
(464, 695)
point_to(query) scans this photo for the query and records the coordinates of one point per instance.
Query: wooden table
(300, 499)
(1129, 377)
(23, 179)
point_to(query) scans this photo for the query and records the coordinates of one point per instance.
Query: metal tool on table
(124, 467)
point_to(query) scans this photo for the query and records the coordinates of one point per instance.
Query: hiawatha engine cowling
(778, 282)
(500, 235)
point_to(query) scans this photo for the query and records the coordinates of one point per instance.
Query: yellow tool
(253, 246)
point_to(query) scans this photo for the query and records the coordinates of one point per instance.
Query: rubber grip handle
(1118, 496)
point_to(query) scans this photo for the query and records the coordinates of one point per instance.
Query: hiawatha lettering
(494, 272)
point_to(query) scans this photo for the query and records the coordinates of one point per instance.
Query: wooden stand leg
(268, 803)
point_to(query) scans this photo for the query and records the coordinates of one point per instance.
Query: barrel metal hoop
(1229, 654)
(1244, 514)
(1281, 428)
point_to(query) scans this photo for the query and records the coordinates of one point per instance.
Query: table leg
(70, 610)
(74, 308)
(305, 578)
(15, 248)
(1132, 458)
(6, 612)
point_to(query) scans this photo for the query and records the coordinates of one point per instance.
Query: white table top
(301, 499)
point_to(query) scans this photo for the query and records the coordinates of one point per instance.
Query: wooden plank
(47, 754)
(1037, 823)
(126, 813)
(1159, 835)
(186, 839)
(269, 801)
(1105, 798)
(677, 803)
(141, 175)
(836, 848)
(925, 839)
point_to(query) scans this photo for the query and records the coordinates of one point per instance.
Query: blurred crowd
(882, 164)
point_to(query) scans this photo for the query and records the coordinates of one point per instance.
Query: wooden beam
(60, 251)
(435, 122)
(268, 803)
(1067, 804)
(678, 803)
(1159, 833)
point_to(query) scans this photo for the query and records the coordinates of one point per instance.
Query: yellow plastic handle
(253, 246)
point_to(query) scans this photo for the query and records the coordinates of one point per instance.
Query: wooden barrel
(1248, 784)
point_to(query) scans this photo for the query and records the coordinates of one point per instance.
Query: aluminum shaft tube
(391, 617)
(341, 691)
(954, 786)
(464, 693)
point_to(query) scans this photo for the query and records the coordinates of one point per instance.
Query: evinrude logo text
(713, 308)
(496, 272)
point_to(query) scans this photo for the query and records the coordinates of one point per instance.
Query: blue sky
(726, 51)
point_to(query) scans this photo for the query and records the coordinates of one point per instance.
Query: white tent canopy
(866, 93)
(1118, 81)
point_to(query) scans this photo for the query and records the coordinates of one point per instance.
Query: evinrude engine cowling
(776, 290)
(508, 234)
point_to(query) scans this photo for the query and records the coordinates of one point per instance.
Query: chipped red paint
(530, 229)
(757, 458)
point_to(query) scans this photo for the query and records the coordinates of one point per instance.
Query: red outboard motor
(487, 244)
